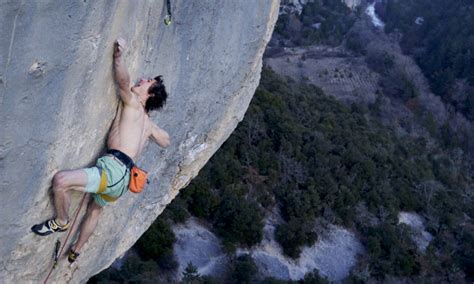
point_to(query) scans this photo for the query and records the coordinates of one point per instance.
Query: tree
(244, 269)
(190, 274)
(313, 278)
(157, 242)
(238, 220)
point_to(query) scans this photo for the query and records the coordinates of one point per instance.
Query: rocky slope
(58, 100)
(333, 255)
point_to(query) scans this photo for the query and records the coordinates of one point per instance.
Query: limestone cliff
(58, 99)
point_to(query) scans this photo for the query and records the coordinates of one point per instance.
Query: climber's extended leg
(87, 227)
(63, 182)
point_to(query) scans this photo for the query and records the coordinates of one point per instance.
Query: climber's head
(156, 95)
(152, 92)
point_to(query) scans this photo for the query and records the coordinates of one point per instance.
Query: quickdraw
(56, 253)
(168, 16)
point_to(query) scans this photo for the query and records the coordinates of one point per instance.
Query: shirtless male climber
(109, 179)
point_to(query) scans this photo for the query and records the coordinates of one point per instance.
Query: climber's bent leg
(85, 180)
(87, 227)
(63, 182)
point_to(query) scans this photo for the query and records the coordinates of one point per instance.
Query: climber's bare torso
(132, 128)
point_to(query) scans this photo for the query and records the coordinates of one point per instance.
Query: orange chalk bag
(138, 180)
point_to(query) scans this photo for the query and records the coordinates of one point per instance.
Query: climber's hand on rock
(119, 47)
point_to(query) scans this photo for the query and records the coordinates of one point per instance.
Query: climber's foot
(72, 255)
(48, 227)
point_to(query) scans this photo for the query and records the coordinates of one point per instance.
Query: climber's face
(142, 86)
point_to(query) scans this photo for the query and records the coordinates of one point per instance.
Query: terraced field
(345, 77)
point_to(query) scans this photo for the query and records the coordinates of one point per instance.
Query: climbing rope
(168, 16)
(58, 252)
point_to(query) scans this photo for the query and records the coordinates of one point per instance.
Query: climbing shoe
(72, 256)
(48, 227)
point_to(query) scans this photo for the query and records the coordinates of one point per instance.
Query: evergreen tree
(190, 274)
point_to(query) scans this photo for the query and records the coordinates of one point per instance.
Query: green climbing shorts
(118, 177)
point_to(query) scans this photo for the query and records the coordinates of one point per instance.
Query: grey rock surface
(333, 255)
(416, 223)
(196, 244)
(58, 99)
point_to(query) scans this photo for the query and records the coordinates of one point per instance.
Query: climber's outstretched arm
(121, 73)
(160, 136)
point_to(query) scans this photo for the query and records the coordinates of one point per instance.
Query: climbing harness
(58, 251)
(168, 16)
(138, 176)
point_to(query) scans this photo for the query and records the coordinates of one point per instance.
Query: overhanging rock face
(58, 100)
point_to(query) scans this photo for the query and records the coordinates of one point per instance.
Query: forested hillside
(440, 36)
(320, 22)
(317, 159)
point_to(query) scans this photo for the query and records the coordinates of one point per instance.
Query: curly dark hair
(157, 97)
